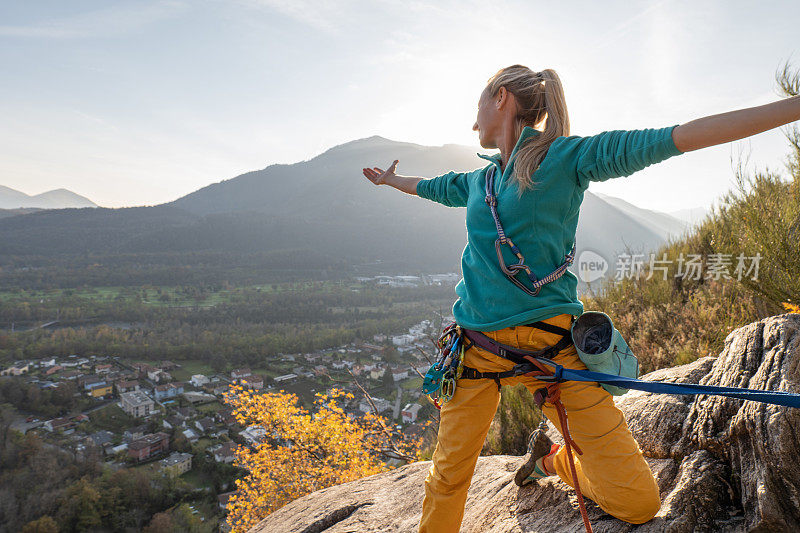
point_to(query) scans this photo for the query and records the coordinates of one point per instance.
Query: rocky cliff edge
(721, 464)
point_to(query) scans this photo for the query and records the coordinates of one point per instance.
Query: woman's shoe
(539, 447)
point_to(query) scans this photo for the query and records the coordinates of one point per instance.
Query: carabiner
(448, 387)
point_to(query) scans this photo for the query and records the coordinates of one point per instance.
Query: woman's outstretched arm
(450, 189)
(407, 184)
(735, 125)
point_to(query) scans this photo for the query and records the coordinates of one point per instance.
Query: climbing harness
(524, 364)
(511, 271)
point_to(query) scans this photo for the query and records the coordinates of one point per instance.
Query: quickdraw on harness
(440, 379)
(512, 270)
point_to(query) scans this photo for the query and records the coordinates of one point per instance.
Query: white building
(190, 435)
(442, 279)
(198, 380)
(285, 377)
(403, 340)
(16, 370)
(419, 329)
(380, 404)
(177, 463)
(116, 449)
(397, 375)
(398, 281)
(410, 412)
(240, 373)
(137, 403)
(224, 453)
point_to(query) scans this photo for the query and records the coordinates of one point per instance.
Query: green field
(168, 296)
(210, 408)
(111, 418)
(412, 384)
(189, 368)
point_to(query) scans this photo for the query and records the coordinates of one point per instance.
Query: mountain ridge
(54, 199)
(324, 204)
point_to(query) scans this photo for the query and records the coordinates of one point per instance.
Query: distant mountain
(664, 224)
(55, 199)
(324, 206)
(692, 215)
(332, 182)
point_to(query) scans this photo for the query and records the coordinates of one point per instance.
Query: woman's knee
(642, 507)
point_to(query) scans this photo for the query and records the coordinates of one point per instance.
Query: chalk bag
(602, 349)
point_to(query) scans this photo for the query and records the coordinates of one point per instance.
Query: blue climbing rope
(560, 374)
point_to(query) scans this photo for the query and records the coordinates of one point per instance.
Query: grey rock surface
(721, 464)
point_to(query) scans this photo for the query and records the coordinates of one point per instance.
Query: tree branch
(389, 434)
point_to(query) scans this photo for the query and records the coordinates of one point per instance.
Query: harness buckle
(522, 369)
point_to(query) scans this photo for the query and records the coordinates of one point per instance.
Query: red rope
(554, 397)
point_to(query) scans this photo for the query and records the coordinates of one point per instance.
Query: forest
(217, 324)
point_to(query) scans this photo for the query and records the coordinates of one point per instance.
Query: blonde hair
(540, 102)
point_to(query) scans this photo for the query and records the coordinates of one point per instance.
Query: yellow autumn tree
(302, 452)
(790, 307)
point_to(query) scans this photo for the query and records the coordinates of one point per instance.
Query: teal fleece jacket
(542, 222)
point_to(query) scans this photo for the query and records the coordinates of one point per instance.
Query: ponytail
(542, 106)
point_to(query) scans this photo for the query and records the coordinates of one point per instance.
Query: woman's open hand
(379, 176)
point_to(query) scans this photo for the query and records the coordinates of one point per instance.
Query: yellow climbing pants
(612, 471)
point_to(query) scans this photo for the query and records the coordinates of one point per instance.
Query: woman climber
(539, 179)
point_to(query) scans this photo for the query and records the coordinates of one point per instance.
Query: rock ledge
(721, 464)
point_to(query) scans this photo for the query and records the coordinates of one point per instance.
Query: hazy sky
(134, 103)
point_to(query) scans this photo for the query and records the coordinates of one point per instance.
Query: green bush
(517, 415)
